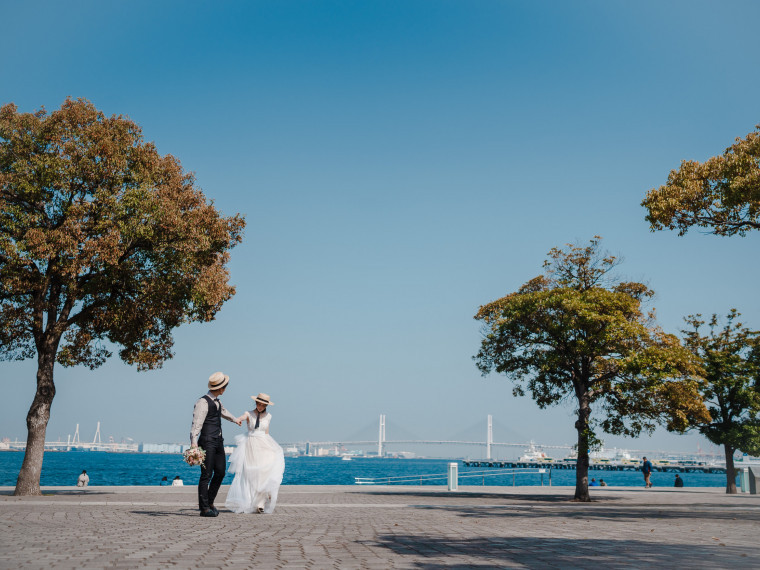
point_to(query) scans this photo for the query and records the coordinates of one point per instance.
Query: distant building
(161, 448)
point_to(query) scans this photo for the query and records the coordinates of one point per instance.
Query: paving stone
(367, 528)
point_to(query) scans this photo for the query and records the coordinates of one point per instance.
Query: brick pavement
(382, 527)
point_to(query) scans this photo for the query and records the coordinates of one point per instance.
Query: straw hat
(263, 398)
(217, 381)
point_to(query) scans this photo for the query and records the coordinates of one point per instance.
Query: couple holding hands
(257, 462)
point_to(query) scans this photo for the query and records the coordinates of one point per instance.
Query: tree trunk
(730, 471)
(28, 482)
(582, 463)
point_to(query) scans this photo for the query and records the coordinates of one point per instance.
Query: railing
(420, 479)
(405, 479)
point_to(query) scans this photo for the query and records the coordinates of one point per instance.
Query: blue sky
(398, 164)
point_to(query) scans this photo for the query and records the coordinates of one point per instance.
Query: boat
(533, 455)
(744, 460)
(345, 458)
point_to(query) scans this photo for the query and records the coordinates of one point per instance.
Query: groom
(206, 432)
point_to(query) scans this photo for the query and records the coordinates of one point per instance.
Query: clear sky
(399, 163)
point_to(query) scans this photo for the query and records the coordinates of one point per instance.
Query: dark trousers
(212, 471)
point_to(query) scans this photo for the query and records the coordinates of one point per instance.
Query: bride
(257, 463)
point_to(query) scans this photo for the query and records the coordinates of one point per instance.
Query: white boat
(346, 458)
(533, 455)
(611, 455)
(745, 460)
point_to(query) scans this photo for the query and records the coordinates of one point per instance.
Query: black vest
(212, 425)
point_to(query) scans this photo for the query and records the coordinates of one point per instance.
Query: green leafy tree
(722, 193)
(576, 333)
(103, 243)
(730, 357)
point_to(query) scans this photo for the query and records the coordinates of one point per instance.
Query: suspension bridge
(488, 446)
(383, 446)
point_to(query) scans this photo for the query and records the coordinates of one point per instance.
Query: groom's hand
(239, 422)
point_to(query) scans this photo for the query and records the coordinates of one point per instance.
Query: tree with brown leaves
(722, 193)
(103, 243)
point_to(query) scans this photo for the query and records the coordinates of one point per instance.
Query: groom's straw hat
(263, 398)
(217, 381)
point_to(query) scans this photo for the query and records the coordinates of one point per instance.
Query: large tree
(104, 244)
(722, 193)
(577, 333)
(730, 358)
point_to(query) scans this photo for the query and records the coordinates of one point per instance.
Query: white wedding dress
(258, 464)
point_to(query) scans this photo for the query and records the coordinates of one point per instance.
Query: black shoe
(213, 508)
(208, 513)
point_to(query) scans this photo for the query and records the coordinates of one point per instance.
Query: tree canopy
(722, 193)
(577, 333)
(103, 243)
(730, 359)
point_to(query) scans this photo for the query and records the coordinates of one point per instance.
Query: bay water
(103, 468)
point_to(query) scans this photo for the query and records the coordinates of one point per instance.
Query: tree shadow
(600, 512)
(518, 497)
(498, 552)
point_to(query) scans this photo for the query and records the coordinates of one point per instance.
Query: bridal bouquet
(194, 456)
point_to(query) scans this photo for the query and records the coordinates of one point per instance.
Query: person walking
(206, 433)
(646, 469)
(258, 463)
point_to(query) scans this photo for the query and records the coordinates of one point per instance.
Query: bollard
(453, 476)
(744, 479)
(754, 480)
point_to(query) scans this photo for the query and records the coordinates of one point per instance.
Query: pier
(664, 467)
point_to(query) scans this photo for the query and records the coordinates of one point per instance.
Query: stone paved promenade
(383, 527)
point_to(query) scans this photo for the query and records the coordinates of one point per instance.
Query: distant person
(258, 463)
(646, 469)
(678, 482)
(206, 433)
(164, 481)
(83, 479)
(602, 483)
(177, 482)
(593, 483)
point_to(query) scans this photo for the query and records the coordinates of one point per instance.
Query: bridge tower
(96, 439)
(76, 435)
(381, 437)
(489, 437)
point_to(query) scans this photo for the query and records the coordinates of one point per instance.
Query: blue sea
(103, 468)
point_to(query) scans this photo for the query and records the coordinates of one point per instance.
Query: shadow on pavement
(69, 492)
(598, 512)
(496, 552)
(177, 513)
(522, 498)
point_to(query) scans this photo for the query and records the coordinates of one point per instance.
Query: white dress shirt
(199, 416)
